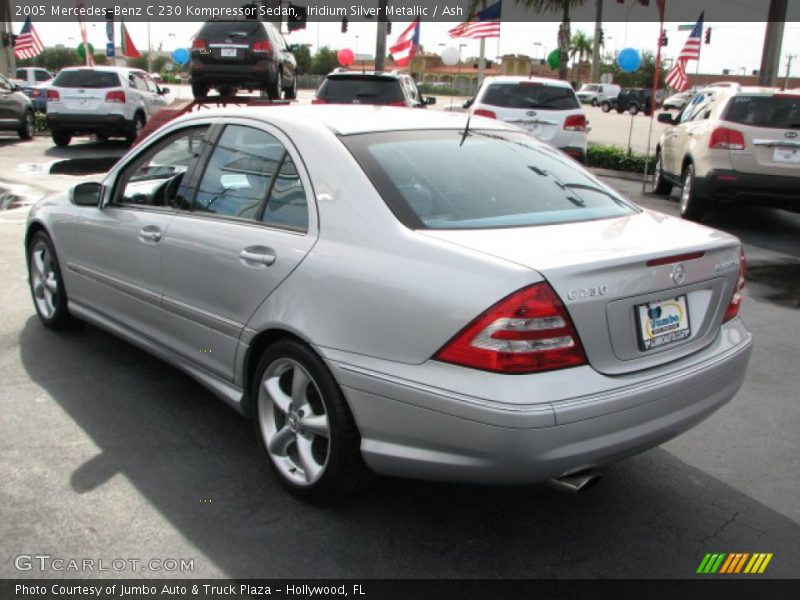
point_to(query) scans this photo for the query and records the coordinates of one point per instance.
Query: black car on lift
(247, 54)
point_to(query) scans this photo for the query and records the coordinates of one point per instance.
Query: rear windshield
(231, 29)
(86, 78)
(443, 180)
(530, 95)
(780, 112)
(359, 89)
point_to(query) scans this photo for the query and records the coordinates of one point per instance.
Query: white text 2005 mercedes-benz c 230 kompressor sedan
(400, 292)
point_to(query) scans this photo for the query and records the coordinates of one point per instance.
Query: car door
(156, 100)
(8, 104)
(117, 260)
(142, 95)
(253, 220)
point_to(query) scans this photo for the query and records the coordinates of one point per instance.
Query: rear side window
(431, 180)
(364, 90)
(232, 29)
(779, 112)
(86, 78)
(530, 95)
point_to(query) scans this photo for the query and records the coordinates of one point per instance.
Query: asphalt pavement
(107, 453)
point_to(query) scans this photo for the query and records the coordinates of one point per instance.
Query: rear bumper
(735, 187)
(412, 430)
(575, 152)
(253, 75)
(79, 124)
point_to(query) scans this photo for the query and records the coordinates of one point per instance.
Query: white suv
(732, 145)
(547, 108)
(105, 101)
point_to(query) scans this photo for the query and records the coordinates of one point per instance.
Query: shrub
(618, 159)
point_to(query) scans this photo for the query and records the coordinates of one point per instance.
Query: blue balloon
(629, 60)
(180, 56)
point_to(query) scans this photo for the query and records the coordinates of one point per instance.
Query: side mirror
(666, 118)
(429, 100)
(86, 194)
(163, 90)
(467, 103)
(15, 87)
(294, 47)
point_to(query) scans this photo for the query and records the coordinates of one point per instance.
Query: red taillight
(396, 103)
(53, 96)
(482, 112)
(723, 138)
(262, 47)
(736, 300)
(527, 332)
(318, 101)
(116, 96)
(575, 123)
(36, 93)
(199, 46)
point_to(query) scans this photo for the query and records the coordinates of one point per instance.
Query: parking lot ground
(108, 453)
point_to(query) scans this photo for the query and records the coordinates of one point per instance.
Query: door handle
(151, 233)
(258, 254)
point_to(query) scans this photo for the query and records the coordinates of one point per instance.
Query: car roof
(520, 79)
(104, 69)
(370, 74)
(350, 119)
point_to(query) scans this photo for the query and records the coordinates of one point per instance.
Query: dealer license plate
(531, 127)
(663, 323)
(228, 52)
(786, 155)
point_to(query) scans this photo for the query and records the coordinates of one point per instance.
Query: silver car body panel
(376, 301)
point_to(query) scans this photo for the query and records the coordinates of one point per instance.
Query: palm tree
(563, 6)
(581, 46)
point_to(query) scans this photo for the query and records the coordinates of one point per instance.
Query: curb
(627, 175)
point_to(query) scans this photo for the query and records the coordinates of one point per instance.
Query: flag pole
(656, 78)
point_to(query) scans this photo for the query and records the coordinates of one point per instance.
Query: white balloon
(450, 56)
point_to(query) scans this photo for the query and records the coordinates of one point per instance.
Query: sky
(735, 46)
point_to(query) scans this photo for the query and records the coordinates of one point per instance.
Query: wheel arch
(687, 160)
(34, 228)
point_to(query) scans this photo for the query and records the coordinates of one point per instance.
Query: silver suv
(105, 101)
(732, 145)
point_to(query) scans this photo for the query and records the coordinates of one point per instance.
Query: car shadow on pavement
(651, 516)
(81, 147)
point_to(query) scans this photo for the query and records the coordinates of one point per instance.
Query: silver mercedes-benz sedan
(410, 293)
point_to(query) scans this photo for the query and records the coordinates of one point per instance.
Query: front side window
(251, 176)
(41, 76)
(486, 179)
(158, 178)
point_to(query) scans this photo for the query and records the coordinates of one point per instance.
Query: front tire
(633, 109)
(658, 184)
(28, 127)
(138, 125)
(594, 102)
(199, 91)
(274, 88)
(46, 283)
(304, 425)
(605, 107)
(61, 139)
(692, 207)
(290, 93)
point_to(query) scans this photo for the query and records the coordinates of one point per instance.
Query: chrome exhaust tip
(575, 483)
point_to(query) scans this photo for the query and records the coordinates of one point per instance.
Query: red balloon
(345, 57)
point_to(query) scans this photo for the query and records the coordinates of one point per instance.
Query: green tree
(303, 57)
(53, 59)
(581, 47)
(324, 61)
(642, 77)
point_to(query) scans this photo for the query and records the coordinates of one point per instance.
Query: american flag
(406, 45)
(677, 77)
(28, 43)
(483, 24)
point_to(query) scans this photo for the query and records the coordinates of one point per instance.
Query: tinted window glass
(364, 90)
(239, 173)
(287, 203)
(157, 180)
(530, 95)
(41, 76)
(494, 179)
(87, 78)
(231, 29)
(781, 112)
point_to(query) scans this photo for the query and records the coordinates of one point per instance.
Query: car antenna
(466, 131)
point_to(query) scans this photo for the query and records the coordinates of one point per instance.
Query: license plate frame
(785, 155)
(228, 52)
(662, 323)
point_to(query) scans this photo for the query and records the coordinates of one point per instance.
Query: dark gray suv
(251, 55)
(16, 110)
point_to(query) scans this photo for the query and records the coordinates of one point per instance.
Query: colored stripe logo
(735, 563)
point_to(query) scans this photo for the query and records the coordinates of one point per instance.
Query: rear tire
(47, 284)
(633, 109)
(304, 426)
(199, 91)
(28, 127)
(594, 102)
(61, 139)
(274, 88)
(290, 93)
(605, 107)
(692, 207)
(658, 184)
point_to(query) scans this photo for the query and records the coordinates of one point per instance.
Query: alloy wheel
(44, 280)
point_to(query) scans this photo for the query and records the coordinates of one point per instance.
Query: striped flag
(677, 77)
(483, 24)
(28, 43)
(406, 45)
